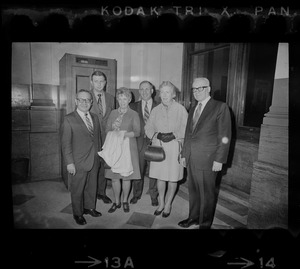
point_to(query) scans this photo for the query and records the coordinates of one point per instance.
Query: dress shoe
(154, 202)
(125, 207)
(134, 200)
(158, 212)
(92, 212)
(114, 207)
(165, 215)
(80, 220)
(104, 198)
(188, 222)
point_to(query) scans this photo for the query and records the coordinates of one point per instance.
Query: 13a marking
(115, 262)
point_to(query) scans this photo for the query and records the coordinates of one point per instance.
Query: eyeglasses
(199, 89)
(81, 101)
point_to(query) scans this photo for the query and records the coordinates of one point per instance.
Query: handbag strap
(152, 139)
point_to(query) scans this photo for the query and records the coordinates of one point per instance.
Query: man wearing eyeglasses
(205, 150)
(103, 104)
(81, 142)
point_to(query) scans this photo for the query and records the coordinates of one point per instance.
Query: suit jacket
(206, 144)
(137, 106)
(110, 105)
(78, 146)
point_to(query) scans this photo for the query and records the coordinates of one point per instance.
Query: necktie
(146, 113)
(100, 104)
(89, 124)
(197, 115)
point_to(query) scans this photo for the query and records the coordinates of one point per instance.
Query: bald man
(205, 150)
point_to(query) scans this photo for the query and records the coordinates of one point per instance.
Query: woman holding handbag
(166, 125)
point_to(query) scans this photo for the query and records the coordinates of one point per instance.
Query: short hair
(84, 90)
(146, 81)
(124, 91)
(203, 79)
(169, 84)
(98, 73)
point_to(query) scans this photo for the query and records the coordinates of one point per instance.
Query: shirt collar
(82, 114)
(97, 93)
(204, 102)
(149, 102)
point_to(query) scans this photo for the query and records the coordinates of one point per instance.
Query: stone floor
(47, 205)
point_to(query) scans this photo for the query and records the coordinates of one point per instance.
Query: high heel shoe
(126, 207)
(114, 207)
(165, 215)
(158, 212)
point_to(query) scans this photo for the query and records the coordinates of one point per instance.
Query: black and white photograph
(129, 131)
(249, 190)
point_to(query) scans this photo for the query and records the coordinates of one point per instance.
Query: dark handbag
(154, 153)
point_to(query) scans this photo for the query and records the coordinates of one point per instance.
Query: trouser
(202, 194)
(102, 181)
(83, 189)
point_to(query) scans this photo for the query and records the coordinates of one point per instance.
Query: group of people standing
(198, 141)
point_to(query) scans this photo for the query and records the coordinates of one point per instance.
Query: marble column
(268, 202)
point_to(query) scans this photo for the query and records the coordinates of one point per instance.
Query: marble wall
(239, 172)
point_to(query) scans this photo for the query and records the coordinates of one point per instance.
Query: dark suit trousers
(137, 185)
(202, 194)
(83, 189)
(101, 185)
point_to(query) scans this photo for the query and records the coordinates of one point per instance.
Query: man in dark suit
(81, 141)
(205, 149)
(143, 108)
(103, 104)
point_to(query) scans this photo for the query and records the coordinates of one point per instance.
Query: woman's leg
(170, 196)
(126, 184)
(161, 186)
(116, 185)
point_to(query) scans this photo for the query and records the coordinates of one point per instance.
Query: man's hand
(71, 169)
(217, 166)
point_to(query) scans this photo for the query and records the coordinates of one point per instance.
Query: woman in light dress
(166, 125)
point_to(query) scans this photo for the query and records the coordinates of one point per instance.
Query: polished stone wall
(35, 132)
(239, 174)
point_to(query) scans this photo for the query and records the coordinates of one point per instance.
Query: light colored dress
(129, 122)
(166, 120)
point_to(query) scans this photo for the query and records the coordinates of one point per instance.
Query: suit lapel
(81, 122)
(204, 113)
(190, 119)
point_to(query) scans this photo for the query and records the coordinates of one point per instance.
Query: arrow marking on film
(94, 262)
(247, 263)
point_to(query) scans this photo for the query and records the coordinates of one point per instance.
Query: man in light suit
(81, 141)
(143, 108)
(205, 150)
(103, 104)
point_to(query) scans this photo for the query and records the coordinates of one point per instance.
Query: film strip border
(151, 22)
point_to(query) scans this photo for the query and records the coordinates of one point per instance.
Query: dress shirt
(149, 105)
(102, 100)
(204, 102)
(82, 115)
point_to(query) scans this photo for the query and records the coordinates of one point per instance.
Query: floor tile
(20, 199)
(68, 209)
(141, 219)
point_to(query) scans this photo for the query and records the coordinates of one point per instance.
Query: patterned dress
(129, 122)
